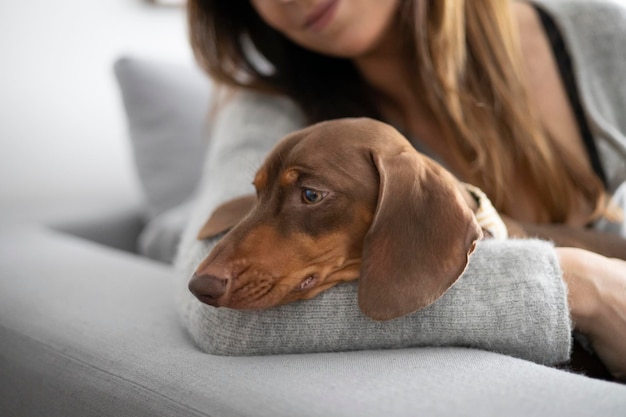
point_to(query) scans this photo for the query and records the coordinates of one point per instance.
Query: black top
(564, 62)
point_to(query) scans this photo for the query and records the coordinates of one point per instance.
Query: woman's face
(342, 28)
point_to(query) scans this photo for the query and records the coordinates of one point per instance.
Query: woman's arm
(511, 299)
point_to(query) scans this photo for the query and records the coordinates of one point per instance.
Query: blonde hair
(469, 57)
(466, 57)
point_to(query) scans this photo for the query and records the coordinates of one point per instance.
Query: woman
(484, 86)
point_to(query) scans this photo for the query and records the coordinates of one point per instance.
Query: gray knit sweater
(511, 299)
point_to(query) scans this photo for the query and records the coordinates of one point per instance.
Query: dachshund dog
(348, 199)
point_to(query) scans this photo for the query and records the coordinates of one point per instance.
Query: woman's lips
(321, 15)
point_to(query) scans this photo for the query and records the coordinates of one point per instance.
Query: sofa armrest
(86, 330)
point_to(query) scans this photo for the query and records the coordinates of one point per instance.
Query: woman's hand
(597, 301)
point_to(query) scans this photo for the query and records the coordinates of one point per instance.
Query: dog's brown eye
(311, 196)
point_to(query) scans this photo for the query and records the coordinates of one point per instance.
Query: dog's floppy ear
(420, 239)
(226, 216)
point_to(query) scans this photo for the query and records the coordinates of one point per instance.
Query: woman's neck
(384, 70)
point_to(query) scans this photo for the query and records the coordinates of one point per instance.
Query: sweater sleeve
(511, 299)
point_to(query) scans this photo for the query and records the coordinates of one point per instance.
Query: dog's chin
(254, 297)
(244, 305)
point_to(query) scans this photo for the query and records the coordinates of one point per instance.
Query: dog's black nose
(207, 288)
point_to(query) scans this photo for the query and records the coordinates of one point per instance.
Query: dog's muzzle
(208, 288)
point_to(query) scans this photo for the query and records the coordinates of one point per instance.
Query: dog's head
(337, 201)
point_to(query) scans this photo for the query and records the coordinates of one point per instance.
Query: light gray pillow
(166, 106)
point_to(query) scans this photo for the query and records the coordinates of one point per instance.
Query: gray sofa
(89, 326)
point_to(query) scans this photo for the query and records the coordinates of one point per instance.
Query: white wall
(63, 135)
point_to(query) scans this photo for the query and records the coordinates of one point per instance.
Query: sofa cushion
(166, 106)
(90, 331)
